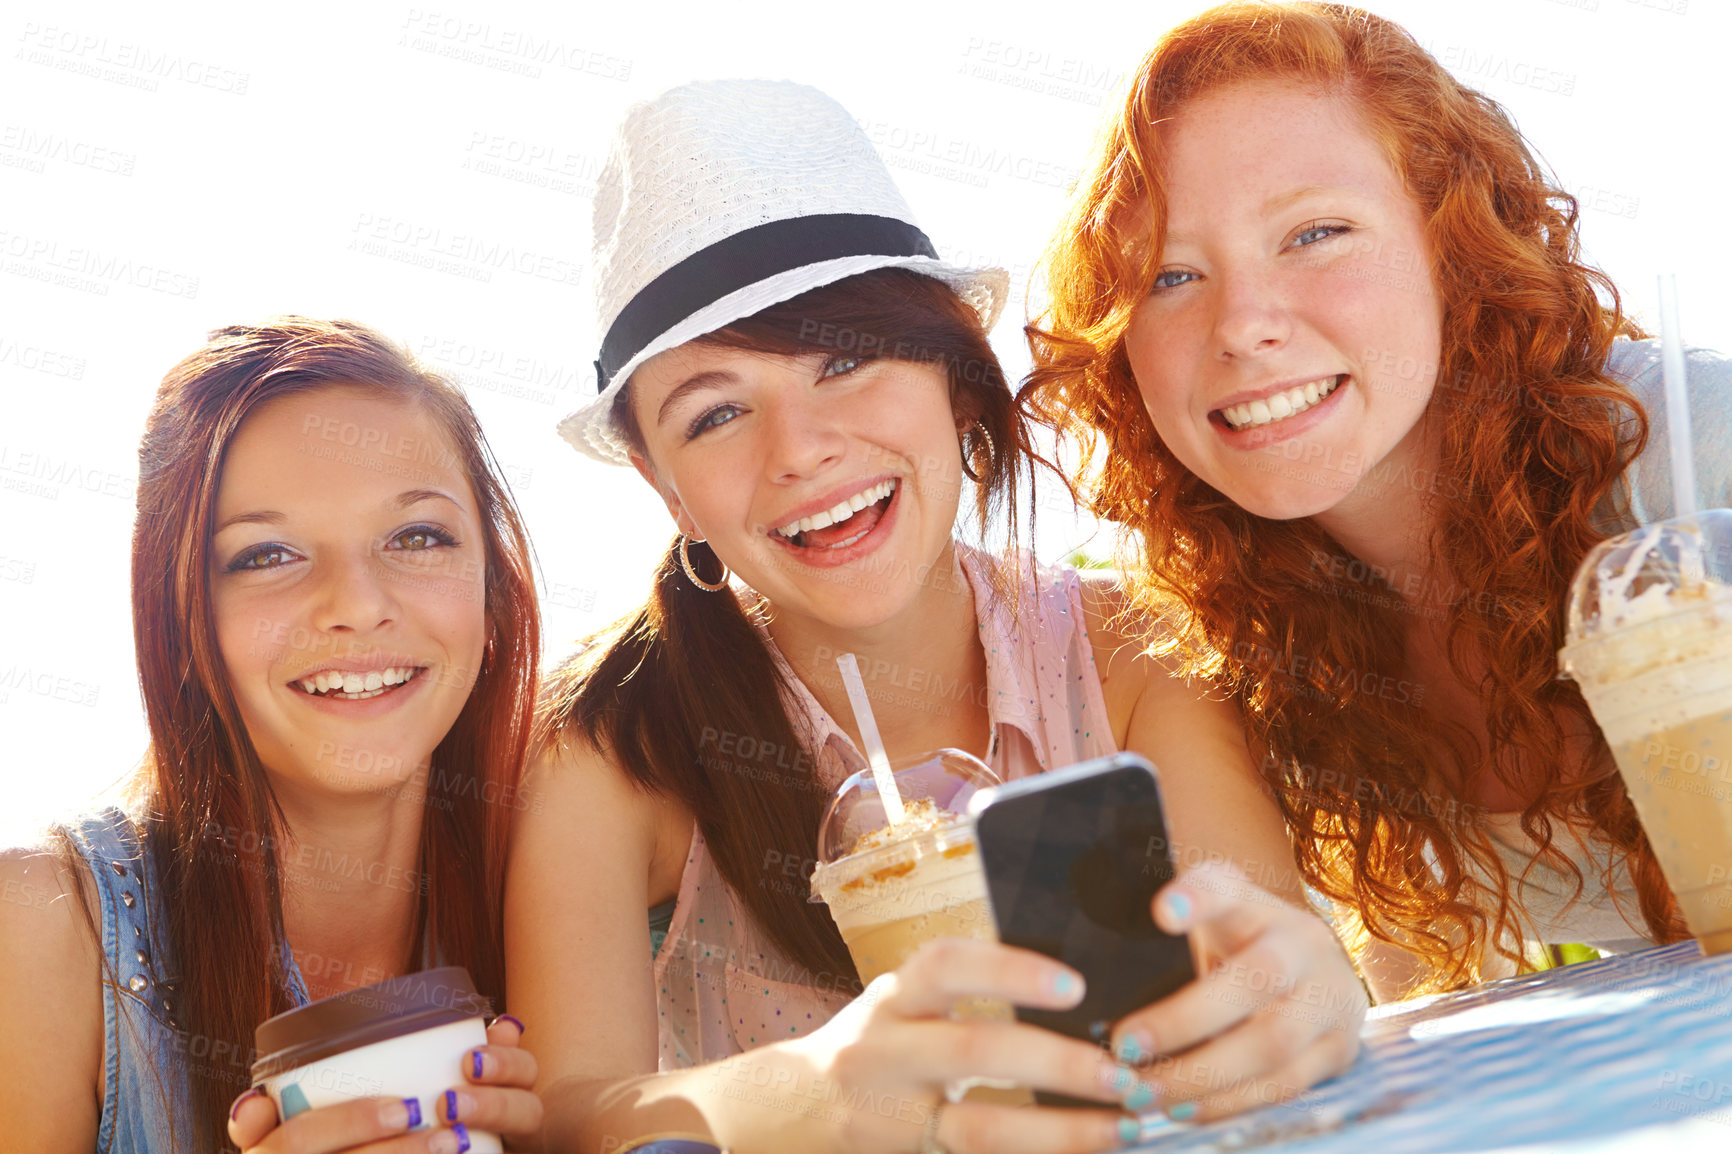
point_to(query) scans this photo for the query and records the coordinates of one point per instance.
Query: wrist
(773, 1097)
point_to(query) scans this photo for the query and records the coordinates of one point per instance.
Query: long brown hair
(655, 690)
(1534, 437)
(208, 814)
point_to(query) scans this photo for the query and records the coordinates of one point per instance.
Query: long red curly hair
(1532, 429)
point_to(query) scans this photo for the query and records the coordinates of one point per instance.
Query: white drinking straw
(856, 687)
(1677, 401)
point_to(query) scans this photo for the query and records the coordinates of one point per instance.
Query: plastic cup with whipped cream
(1649, 640)
(406, 1037)
(892, 890)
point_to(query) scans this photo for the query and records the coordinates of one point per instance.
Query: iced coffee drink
(892, 890)
(1650, 643)
(891, 893)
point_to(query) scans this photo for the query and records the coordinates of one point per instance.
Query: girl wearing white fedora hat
(811, 392)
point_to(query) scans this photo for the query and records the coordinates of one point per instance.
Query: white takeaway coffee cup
(405, 1037)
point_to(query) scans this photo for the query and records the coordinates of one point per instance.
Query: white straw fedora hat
(721, 198)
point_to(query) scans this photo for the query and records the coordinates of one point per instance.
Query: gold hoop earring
(692, 573)
(991, 457)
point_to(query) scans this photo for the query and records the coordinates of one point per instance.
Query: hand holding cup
(497, 1095)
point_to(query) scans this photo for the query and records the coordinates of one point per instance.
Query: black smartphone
(1073, 859)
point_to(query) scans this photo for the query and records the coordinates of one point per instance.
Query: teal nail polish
(1130, 1050)
(1179, 905)
(294, 1101)
(1141, 1097)
(1129, 1130)
(1182, 1111)
(1063, 984)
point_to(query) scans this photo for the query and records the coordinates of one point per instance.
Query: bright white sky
(164, 174)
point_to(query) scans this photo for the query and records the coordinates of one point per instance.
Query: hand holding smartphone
(1073, 860)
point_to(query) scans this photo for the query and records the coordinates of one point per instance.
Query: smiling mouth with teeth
(343, 685)
(843, 525)
(1292, 402)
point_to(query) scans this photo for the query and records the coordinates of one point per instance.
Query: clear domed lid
(1652, 572)
(948, 778)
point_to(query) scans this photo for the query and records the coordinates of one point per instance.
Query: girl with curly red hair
(1319, 326)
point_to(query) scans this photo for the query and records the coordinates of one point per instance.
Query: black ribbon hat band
(744, 259)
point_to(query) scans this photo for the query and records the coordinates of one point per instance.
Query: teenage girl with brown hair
(337, 638)
(811, 393)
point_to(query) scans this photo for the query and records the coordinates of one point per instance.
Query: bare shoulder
(579, 886)
(40, 890)
(574, 791)
(572, 770)
(1116, 629)
(1104, 593)
(1121, 635)
(1119, 628)
(50, 1002)
(48, 912)
(1122, 632)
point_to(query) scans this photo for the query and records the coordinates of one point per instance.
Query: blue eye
(842, 365)
(1173, 278)
(1319, 232)
(269, 555)
(712, 419)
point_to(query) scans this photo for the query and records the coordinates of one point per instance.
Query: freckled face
(1291, 341)
(348, 582)
(829, 484)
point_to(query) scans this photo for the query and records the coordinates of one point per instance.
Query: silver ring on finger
(929, 1136)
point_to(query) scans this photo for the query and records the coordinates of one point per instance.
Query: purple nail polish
(451, 1105)
(515, 1021)
(413, 1105)
(236, 1108)
(475, 1065)
(462, 1133)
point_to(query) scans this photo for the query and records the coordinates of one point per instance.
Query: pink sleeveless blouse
(722, 986)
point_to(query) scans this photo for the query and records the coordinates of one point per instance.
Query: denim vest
(145, 1057)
